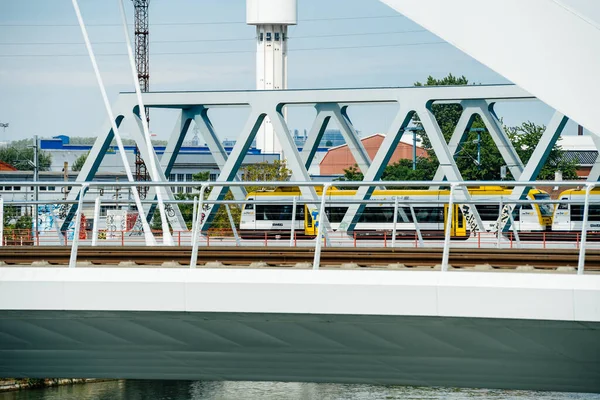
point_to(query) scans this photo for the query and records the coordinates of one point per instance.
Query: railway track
(244, 256)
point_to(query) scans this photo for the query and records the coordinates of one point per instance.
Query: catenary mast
(271, 18)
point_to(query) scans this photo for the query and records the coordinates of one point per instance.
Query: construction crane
(142, 63)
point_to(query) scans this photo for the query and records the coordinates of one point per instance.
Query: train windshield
(546, 209)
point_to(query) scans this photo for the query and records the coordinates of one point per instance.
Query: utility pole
(142, 63)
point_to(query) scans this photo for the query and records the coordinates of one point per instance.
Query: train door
(459, 222)
(310, 219)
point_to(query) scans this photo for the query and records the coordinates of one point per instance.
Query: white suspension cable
(167, 238)
(147, 232)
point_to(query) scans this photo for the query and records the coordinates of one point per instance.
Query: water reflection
(196, 390)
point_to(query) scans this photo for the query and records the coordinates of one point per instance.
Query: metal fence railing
(200, 236)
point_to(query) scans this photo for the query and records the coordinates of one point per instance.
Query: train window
(577, 212)
(430, 214)
(527, 207)
(277, 36)
(547, 210)
(563, 206)
(16, 187)
(488, 212)
(260, 37)
(268, 36)
(377, 215)
(51, 187)
(276, 212)
(404, 215)
(299, 212)
(249, 206)
(335, 214)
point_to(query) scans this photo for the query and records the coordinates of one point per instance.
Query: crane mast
(142, 63)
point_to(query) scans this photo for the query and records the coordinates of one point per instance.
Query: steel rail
(285, 256)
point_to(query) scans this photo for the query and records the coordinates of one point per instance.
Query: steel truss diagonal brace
(180, 130)
(458, 136)
(232, 165)
(537, 161)
(471, 108)
(438, 143)
(314, 137)
(294, 162)
(500, 137)
(326, 112)
(92, 163)
(207, 130)
(174, 216)
(380, 161)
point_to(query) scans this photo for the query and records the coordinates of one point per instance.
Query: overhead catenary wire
(180, 23)
(216, 40)
(232, 51)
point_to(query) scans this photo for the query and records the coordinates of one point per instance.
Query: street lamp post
(478, 130)
(414, 130)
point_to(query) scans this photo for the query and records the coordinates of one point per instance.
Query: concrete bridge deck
(471, 329)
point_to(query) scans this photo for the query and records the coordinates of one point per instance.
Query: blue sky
(48, 87)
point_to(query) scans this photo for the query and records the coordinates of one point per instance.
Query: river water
(196, 390)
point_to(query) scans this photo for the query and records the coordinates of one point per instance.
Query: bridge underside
(405, 350)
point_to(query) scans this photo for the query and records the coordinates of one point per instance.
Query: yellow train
(430, 209)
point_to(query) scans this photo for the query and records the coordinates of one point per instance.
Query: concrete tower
(271, 18)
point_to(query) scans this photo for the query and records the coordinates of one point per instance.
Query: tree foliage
(79, 162)
(16, 224)
(22, 157)
(477, 140)
(526, 137)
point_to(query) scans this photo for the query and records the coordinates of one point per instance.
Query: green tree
(266, 172)
(79, 161)
(15, 224)
(20, 158)
(526, 137)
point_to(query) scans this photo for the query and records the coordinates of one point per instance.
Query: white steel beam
(538, 31)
